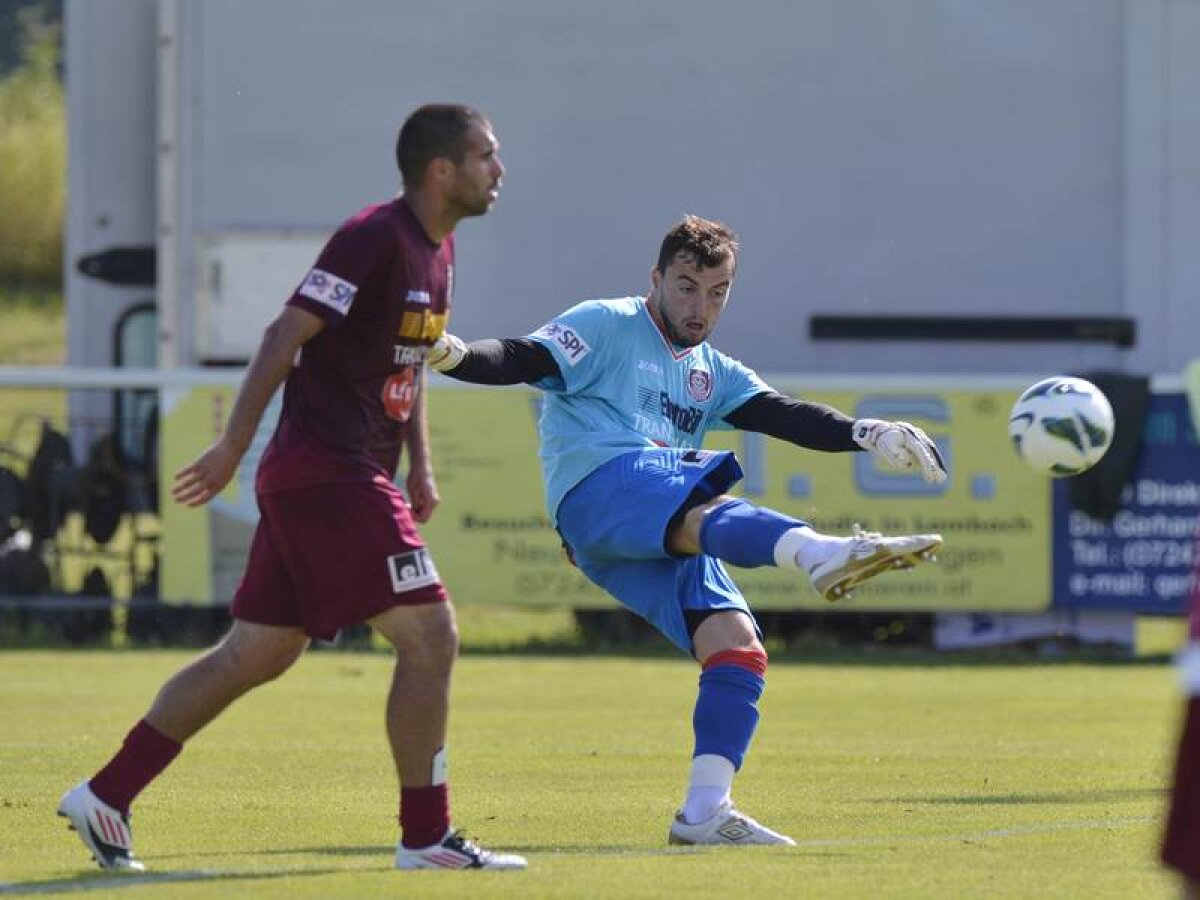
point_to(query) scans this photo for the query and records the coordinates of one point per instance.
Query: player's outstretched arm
(199, 482)
(816, 426)
(492, 360)
(447, 352)
(813, 426)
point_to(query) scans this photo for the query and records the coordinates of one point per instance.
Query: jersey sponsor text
(573, 346)
(328, 290)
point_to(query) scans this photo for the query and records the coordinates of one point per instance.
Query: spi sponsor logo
(572, 345)
(328, 290)
(412, 570)
(700, 385)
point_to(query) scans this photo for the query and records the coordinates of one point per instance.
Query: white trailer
(1032, 159)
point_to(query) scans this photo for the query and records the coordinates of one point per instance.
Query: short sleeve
(332, 285)
(736, 384)
(576, 340)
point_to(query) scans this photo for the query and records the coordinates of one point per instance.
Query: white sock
(709, 786)
(802, 548)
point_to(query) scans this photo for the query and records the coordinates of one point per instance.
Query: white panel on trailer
(243, 282)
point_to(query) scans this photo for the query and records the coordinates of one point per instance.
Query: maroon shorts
(332, 555)
(1181, 844)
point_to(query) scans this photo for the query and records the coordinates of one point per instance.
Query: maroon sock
(424, 815)
(145, 753)
(1181, 839)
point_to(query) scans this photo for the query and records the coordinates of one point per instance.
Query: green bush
(33, 145)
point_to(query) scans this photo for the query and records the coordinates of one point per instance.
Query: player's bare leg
(747, 535)
(250, 655)
(734, 666)
(98, 809)
(426, 641)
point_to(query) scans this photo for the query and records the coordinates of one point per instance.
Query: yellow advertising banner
(492, 540)
(204, 550)
(994, 513)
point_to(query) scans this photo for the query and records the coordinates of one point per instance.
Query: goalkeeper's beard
(672, 335)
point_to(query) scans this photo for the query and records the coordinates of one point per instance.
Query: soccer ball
(1061, 426)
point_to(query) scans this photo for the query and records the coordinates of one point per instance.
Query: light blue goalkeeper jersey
(624, 387)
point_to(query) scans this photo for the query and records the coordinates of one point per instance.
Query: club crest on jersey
(700, 385)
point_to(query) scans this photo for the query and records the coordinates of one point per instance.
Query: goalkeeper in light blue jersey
(631, 387)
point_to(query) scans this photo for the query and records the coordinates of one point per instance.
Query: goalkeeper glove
(446, 353)
(901, 446)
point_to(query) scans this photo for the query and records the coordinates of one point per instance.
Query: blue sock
(727, 711)
(743, 534)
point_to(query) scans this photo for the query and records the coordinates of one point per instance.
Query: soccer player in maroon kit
(1181, 842)
(337, 543)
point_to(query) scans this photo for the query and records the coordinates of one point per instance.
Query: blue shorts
(615, 523)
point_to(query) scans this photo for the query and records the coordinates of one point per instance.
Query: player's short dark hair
(435, 130)
(710, 243)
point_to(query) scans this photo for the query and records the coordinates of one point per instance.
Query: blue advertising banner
(1144, 560)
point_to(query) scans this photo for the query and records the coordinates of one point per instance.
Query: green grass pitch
(896, 779)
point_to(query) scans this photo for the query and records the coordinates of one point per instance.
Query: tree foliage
(33, 152)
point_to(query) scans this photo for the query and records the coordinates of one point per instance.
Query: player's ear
(441, 169)
(655, 279)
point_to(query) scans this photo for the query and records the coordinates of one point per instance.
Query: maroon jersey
(383, 289)
(1194, 612)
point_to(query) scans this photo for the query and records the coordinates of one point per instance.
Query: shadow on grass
(387, 851)
(380, 851)
(547, 849)
(869, 640)
(102, 881)
(805, 638)
(1115, 795)
(819, 653)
